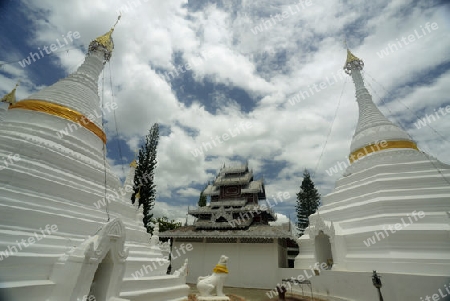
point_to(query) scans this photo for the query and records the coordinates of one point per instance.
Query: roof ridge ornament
(11, 96)
(105, 42)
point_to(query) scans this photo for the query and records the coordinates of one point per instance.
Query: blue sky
(246, 60)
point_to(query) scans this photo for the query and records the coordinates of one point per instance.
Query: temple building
(389, 212)
(235, 222)
(61, 240)
(234, 197)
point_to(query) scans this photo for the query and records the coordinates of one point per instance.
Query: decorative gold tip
(11, 96)
(351, 57)
(106, 40)
(133, 164)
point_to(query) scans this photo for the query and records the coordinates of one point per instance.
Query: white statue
(205, 285)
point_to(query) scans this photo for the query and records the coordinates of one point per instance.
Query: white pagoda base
(398, 201)
(389, 213)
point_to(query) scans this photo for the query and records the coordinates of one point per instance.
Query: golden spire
(352, 62)
(351, 57)
(133, 164)
(106, 39)
(11, 96)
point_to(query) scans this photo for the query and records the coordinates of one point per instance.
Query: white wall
(251, 265)
(255, 266)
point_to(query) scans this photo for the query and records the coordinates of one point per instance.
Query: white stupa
(58, 242)
(389, 211)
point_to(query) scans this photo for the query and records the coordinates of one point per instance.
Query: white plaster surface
(3, 109)
(57, 181)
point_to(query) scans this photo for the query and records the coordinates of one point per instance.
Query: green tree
(165, 224)
(308, 200)
(144, 178)
(203, 198)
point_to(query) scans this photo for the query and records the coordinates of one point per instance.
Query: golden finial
(11, 96)
(133, 164)
(137, 196)
(351, 57)
(106, 39)
(352, 62)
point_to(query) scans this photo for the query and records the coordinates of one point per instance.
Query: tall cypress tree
(144, 178)
(308, 200)
(202, 200)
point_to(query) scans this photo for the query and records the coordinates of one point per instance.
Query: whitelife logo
(300, 278)
(83, 121)
(35, 56)
(380, 235)
(436, 297)
(225, 136)
(272, 21)
(149, 268)
(367, 151)
(297, 98)
(10, 160)
(431, 118)
(256, 210)
(12, 249)
(392, 47)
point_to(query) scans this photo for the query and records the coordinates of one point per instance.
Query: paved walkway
(252, 294)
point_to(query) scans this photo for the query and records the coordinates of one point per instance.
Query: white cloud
(297, 52)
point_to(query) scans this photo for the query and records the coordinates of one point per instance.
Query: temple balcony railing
(229, 202)
(247, 208)
(235, 223)
(233, 180)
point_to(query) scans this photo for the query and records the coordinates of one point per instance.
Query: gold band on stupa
(360, 153)
(60, 111)
(220, 269)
